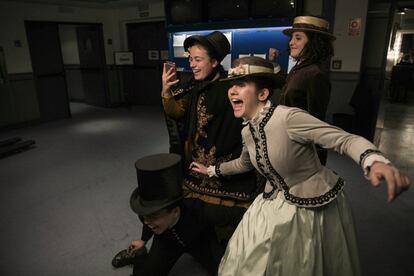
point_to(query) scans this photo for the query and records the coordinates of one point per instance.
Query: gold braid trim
(180, 91)
(218, 201)
(203, 116)
(208, 159)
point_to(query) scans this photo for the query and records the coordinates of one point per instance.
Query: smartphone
(168, 66)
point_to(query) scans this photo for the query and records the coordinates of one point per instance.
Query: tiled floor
(385, 230)
(64, 204)
(397, 135)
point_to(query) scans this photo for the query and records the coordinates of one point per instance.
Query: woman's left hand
(396, 181)
(197, 167)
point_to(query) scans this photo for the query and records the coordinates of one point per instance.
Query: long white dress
(301, 225)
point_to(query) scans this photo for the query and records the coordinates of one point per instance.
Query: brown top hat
(254, 67)
(216, 42)
(159, 183)
(309, 24)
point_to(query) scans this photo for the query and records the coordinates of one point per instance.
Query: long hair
(318, 48)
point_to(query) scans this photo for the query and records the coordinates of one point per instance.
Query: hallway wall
(20, 95)
(123, 16)
(348, 49)
(13, 15)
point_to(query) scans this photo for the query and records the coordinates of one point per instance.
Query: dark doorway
(92, 64)
(48, 71)
(407, 43)
(143, 80)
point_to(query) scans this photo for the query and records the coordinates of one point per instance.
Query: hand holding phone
(168, 65)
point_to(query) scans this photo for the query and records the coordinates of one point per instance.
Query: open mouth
(237, 103)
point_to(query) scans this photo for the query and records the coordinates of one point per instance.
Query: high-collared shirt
(259, 115)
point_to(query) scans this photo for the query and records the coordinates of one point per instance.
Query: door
(48, 71)
(373, 64)
(92, 64)
(143, 81)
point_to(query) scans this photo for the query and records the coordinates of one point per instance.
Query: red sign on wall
(354, 28)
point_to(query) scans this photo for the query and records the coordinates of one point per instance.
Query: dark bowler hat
(216, 42)
(309, 24)
(159, 183)
(252, 66)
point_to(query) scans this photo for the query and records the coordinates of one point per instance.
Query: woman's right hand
(168, 80)
(136, 244)
(396, 181)
(197, 167)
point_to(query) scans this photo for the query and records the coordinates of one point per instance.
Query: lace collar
(259, 115)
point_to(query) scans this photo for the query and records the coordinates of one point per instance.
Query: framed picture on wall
(123, 58)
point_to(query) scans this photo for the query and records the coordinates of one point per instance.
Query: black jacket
(307, 87)
(191, 234)
(209, 134)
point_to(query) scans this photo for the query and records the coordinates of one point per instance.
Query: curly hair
(318, 48)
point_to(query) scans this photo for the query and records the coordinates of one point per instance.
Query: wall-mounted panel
(246, 41)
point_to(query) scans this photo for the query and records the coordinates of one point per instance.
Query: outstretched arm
(305, 128)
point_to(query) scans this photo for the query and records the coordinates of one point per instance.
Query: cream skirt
(276, 238)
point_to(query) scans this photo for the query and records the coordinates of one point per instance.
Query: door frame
(35, 79)
(61, 56)
(157, 66)
(104, 64)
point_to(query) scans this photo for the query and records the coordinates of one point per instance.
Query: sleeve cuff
(371, 159)
(211, 171)
(165, 96)
(277, 68)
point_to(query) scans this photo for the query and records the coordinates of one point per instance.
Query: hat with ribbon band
(309, 24)
(247, 67)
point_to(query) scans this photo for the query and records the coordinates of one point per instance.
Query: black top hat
(309, 24)
(216, 42)
(253, 66)
(159, 183)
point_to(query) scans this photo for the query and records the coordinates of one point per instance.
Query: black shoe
(126, 257)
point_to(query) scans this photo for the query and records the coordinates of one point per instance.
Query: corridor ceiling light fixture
(401, 11)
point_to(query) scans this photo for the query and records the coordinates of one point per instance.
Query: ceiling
(91, 3)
